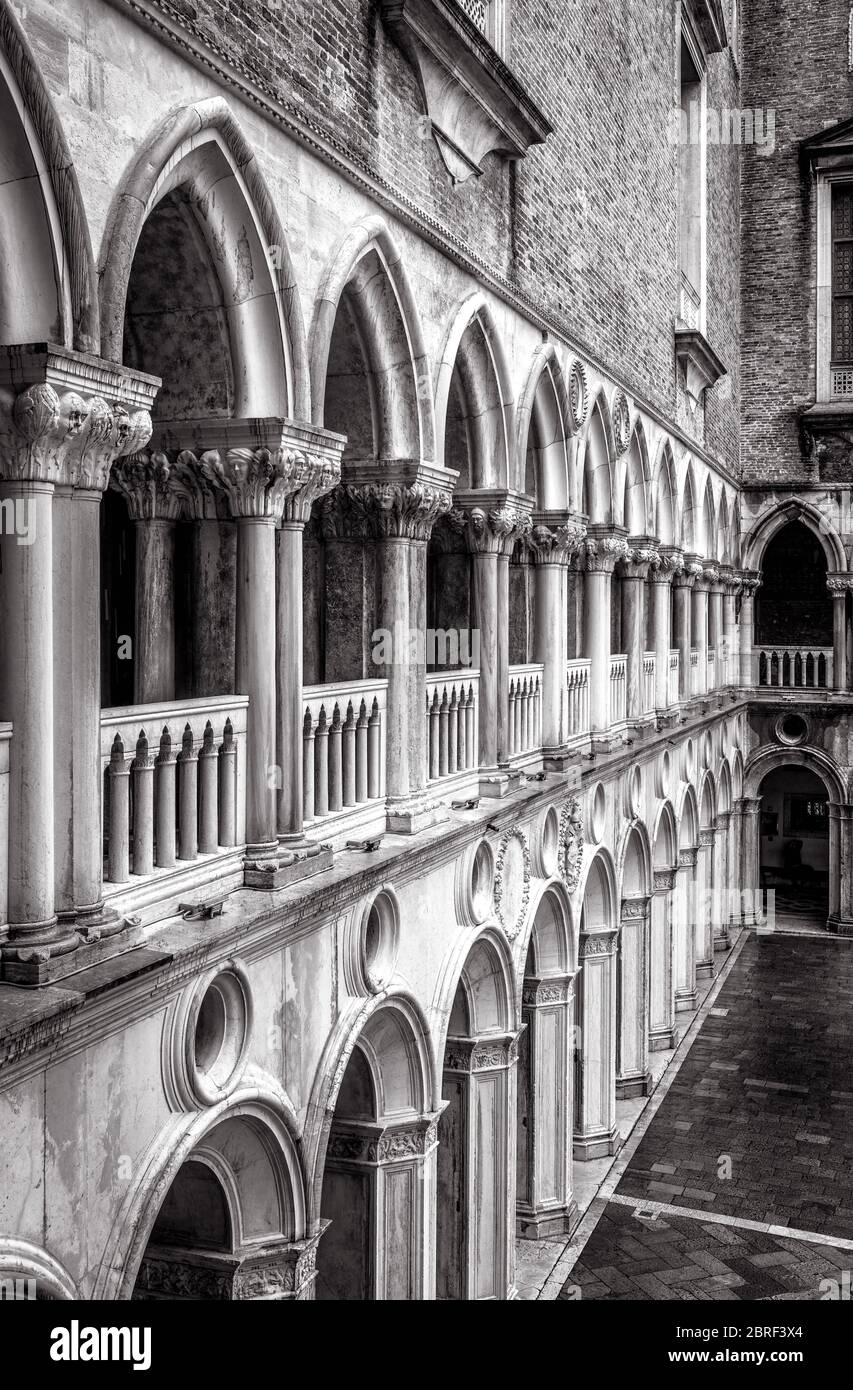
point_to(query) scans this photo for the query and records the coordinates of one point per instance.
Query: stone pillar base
(628, 1087)
(286, 867)
(494, 785)
(597, 1145)
(705, 970)
(558, 759)
(686, 1001)
(414, 814)
(840, 926)
(723, 941)
(663, 1042)
(45, 963)
(539, 1225)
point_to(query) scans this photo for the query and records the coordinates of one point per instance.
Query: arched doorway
(596, 1134)
(227, 1227)
(545, 1205)
(662, 1034)
(379, 1173)
(476, 1156)
(686, 994)
(793, 615)
(632, 965)
(794, 830)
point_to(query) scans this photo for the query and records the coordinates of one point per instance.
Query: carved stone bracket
(538, 993)
(688, 858)
(664, 880)
(634, 909)
(597, 943)
(492, 1053)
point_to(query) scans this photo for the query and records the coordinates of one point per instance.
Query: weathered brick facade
(795, 63)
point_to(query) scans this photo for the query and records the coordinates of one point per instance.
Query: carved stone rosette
(571, 840)
(512, 893)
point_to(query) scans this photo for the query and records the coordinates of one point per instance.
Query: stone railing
(343, 746)
(173, 783)
(712, 681)
(525, 709)
(674, 672)
(618, 689)
(452, 713)
(795, 667)
(577, 693)
(695, 673)
(649, 667)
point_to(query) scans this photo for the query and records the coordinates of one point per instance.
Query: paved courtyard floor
(737, 1182)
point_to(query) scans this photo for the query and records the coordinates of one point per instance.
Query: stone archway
(596, 1133)
(476, 1156)
(686, 994)
(545, 1205)
(662, 1031)
(632, 970)
(379, 1174)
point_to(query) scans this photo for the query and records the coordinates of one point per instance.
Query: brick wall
(585, 226)
(795, 62)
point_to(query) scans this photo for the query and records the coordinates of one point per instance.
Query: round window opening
(221, 1033)
(379, 940)
(482, 881)
(792, 729)
(550, 842)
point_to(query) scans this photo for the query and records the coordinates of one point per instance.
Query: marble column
(751, 890)
(840, 918)
(705, 903)
(545, 1205)
(732, 589)
(838, 585)
(723, 880)
(603, 550)
(716, 634)
(682, 583)
(632, 1000)
(213, 597)
(750, 583)
(54, 430)
(686, 994)
(663, 570)
(476, 1193)
(596, 1133)
(662, 1031)
(633, 572)
(155, 506)
(379, 1186)
(699, 625)
(554, 540)
(494, 521)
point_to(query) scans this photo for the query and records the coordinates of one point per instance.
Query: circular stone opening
(664, 773)
(792, 729)
(635, 789)
(209, 1029)
(221, 1032)
(379, 937)
(372, 937)
(598, 819)
(689, 757)
(550, 847)
(482, 881)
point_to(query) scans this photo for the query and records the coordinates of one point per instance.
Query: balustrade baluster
(188, 793)
(374, 749)
(228, 788)
(442, 735)
(335, 770)
(208, 793)
(361, 758)
(432, 735)
(119, 777)
(348, 748)
(143, 808)
(165, 813)
(321, 765)
(308, 766)
(453, 732)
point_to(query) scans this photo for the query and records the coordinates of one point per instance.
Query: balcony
(174, 794)
(795, 668)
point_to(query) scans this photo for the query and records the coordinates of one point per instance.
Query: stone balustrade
(174, 783)
(808, 668)
(452, 711)
(525, 709)
(343, 746)
(618, 689)
(577, 689)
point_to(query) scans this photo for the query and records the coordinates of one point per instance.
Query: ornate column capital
(149, 485)
(749, 582)
(604, 548)
(688, 858)
(494, 519)
(690, 573)
(708, 836)
(490, 1053)
(839, 583)
(664, 879)
(540, 992)
(635, 908)
(392, 505)
(265, 468)
(642, 554)
(666, 565)
(555, 537)
(65, 417)
(597, 943)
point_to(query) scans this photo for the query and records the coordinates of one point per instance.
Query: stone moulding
(475, 105)
(697, 359)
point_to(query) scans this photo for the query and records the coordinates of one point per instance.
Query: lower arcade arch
(797, 853)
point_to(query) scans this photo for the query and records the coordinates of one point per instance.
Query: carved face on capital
(74, 413)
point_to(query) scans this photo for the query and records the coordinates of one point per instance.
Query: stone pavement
(753, 1137)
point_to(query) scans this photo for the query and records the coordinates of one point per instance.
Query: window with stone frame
(489, 16)
(842, 277)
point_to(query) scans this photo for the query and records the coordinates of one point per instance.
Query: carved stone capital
(604, 551)
(490, 1053)
(664, 880)
(597, 943)
(634, 909)
(537, 994)
(750, 583)
(690, 573)
(688, 858)
(494, 520)
(666, 565)
(554, 541)
(839, 584)
(642, 554)
(148, 484)
(378, 511)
